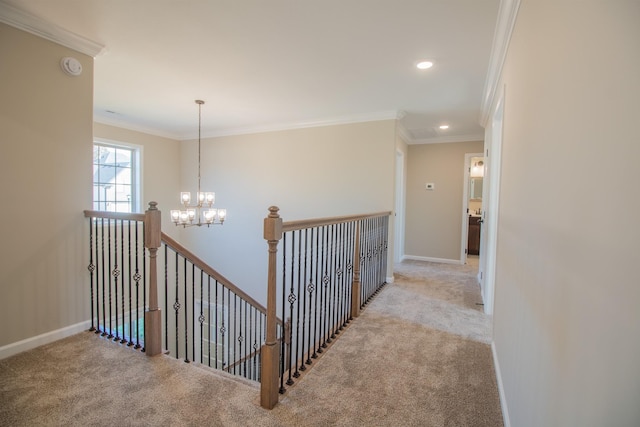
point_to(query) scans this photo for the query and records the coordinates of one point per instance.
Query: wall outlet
(430, 186)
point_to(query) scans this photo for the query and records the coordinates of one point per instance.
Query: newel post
(355, 285)
(270, 355)
(152, 317)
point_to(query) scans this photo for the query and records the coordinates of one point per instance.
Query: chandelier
(202, 211)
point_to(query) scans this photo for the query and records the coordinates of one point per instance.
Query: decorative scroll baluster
(91, 269)
(186, 316)
(286, 336)
(310, 289)
(317, 289)
(209, 320)
(176, 305)
(201, 317)
(130, 343)
(98, 270)
(137, 278)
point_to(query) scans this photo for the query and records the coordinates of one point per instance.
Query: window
(115, 178)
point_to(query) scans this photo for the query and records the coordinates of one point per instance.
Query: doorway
(472, 208)
(399, 209)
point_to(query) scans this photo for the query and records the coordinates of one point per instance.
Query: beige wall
(160, 162)
(434, 218)
(308, 173)
(567, 316)
(45, 183)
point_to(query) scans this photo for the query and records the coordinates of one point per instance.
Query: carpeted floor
(417, 356)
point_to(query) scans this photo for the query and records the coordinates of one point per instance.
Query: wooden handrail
(319, 222)
(211, 272)
(114, 215)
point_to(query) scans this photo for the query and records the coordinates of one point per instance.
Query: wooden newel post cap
(273, 212)
(153, 206)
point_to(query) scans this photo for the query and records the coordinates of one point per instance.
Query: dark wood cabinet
(473, 243)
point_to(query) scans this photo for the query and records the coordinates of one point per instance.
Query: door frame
(491, 209)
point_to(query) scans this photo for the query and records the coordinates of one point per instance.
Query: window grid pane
(113, 179)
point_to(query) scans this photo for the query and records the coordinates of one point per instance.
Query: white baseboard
(390, 279)
(430, 259)
(46, 338)
(503, 397)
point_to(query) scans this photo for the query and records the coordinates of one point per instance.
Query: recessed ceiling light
(444, 127)
(423, 65)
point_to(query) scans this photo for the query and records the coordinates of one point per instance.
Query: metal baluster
(193, 312)
(201, 318)
(110, 335)
(332, 270)
(130, 343)
(303, 292)
(292, 300)
(99, 267)
(176, 305)
(310, 289)
(324, 289)
(284, 285)
(208, 320)
(352, 248)
(166, 297)
(316, 323)
(216, 321)
(229, 334)
(104, 281)
(186, 314)
(137, 278)
(296, 374)
(91, 269)
(123, 339)
(222, 330)
(144, 274)
(340, 281)
(240, 337)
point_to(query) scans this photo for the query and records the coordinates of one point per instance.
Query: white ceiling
(266, 65)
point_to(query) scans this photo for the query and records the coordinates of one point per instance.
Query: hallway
(417, 356)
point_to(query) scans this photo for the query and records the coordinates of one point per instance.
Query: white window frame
(136, 170)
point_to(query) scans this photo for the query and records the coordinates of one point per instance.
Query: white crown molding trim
(37, 341)
(24, 21)
(334, 121)
(128, 126)
(385, 115)
(404, 134)
(502, 36)
(446, 139)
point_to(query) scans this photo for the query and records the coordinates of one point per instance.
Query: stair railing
(135, 269)
(329, 269)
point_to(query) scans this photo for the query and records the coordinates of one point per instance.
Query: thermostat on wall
(430, 186)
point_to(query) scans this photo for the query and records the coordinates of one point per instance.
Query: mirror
(475, 188)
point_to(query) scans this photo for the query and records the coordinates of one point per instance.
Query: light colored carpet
(417, 356)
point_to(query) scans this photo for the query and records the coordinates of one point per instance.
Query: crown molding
(404, 133)
(446, 139)
(24, 21)
(502, 36)
(122, 124)
(110, 121)
(355, 118)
